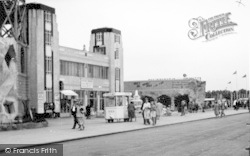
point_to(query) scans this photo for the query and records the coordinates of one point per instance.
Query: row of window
(78, 69)
(95, 71)
(72, 68)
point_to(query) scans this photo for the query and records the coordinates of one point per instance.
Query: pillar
(172, 103)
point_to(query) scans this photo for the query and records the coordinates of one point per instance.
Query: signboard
(87, 84)
(40, 102)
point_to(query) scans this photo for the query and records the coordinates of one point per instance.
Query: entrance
(178, 100)
(165, 100)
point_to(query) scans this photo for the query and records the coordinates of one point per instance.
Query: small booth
(116, 106)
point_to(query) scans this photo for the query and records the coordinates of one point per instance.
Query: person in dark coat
(131, 111)
(88, 111)
(73, 112)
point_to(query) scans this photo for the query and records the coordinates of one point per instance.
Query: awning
(117, 94)
(69, 93)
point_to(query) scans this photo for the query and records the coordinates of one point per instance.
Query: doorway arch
(165, 100)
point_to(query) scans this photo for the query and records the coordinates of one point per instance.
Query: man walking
(159, 107)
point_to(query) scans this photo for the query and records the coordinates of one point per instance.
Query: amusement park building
(173, 89)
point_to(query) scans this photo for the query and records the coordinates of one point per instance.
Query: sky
(155, 37)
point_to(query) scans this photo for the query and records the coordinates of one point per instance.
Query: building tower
(43, 58)
(107, 41)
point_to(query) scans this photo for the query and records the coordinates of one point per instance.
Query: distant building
(174, 90)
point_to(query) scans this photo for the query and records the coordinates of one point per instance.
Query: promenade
(59, 130)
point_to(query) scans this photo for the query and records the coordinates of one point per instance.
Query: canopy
(117, 94)
(209, 99)
(69, 93)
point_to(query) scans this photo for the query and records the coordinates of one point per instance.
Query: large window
(97, 72)
(72, 68)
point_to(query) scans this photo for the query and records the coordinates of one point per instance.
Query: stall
(116, 106)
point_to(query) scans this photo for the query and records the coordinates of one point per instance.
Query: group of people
(219, 107)
(151, 110)
(78, 112)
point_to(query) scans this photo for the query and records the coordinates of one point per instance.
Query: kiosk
(116, 106)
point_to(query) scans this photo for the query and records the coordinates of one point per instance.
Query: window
(117, 53)
(22, 61)
(72, 68)
(48, 17)
(99, 50)
(99, 38)
(117, 74)
(99, 72)
(102, 100)
(117, 38)
(48, 65)
(47, 37)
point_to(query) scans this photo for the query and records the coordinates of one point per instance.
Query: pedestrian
(159, 107)
(153, 113)
(235, 104)
(222, 108)
(143, 108)
(183, 104)
(216, 109)
(73, 112)
(248, 105)
(88, 111)
(146, 112)
(131, 111)
(80, 114)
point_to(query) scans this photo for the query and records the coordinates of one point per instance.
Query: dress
(146, 110)
(216, 109)
(80, 114)
(159, 108)
(153, 111)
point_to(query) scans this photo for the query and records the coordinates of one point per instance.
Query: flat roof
(105, 29)
(38, 6)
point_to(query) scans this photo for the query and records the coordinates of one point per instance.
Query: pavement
(59, 130)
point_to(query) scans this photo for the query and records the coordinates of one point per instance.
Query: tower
(43, 58)
(108, 41)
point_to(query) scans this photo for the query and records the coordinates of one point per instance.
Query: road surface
(227, 136)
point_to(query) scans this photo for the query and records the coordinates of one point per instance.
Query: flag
(229, 82)
(244, 76)
(235, 72)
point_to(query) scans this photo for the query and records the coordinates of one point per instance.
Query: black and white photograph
(124, 78)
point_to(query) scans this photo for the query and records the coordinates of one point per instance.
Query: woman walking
(153, 112)
(146, 112)
(80, 114)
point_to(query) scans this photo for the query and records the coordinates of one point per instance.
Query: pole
(236, 86)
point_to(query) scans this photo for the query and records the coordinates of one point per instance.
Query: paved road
(227, 136)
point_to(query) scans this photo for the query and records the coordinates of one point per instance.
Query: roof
(106, 30)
